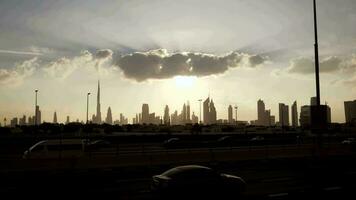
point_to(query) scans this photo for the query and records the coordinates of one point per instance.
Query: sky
(168, 52)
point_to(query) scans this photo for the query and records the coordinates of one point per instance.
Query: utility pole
(200, 122)
(316, 49)
(36, 91)
(88, 106)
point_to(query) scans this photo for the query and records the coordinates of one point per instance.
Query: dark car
(97, 144)
(196, 181)
(171, 143)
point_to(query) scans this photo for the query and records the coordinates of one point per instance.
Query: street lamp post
(36, 91)
(87, 105)
(200, 110)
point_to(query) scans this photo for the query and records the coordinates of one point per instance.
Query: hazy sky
(169, 52)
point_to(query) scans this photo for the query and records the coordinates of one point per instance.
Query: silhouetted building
(350, 111)
(195, 119)
(108, 119)
(145, 114)
(184, 114)
(313, 101)
(97, 118)
(283, 115)
(14, 122)
(229, 115)
(166, 118)
(268, 118)
(209, 111)
(38, 114)
(55, 117)
(295, 114)
(272, 120)
(188, 113)
(174, 118)
(67, 121)
(22, 121)
(304, 116)
(261, 113)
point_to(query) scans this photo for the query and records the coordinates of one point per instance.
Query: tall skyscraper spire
(55, 117)
(98, 112)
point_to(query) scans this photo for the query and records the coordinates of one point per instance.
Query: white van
(55, 149)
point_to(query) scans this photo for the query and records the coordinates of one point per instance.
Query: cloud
(17, 75)
(64, 67)
(306, 66)
(32, 53)
(160, 64)
(103, 54)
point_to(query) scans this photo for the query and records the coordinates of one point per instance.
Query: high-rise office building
(145, 114)
(108, 119)
(166, 118)
(209, 111)
(229, 115)
(283, 115)
(22, 121)
(206, 111)
(97, 118)
(55, 117)
(67, 121)
(14, 122)
(267, 118)
(272, 120)
(188, 113)
(261, 113)
(38, 114)
(195, 119)
(350, 111)
(184, 114)
(313, 101)
(295, 114)
(305, 118)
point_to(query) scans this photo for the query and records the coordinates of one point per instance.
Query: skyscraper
(350, 111)
(67, 121)
(209, 111)
(55, 117)
(295, 114)
(304, 118)
(145, 114)
(212, 113)
(184, 114)
(166, 118)
(283, 115)
(261, 113)
(38, 114)
(229, 114)
(188, 113)
(108, 119)
(98, 111)
(195, 119)
(206, 111)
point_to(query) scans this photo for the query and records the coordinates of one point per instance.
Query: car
(55, 148)
(97, 144)
(197, 181)
(171, 142)
(257, 138)
(349, 141)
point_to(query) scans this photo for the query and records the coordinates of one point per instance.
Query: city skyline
(183, 59)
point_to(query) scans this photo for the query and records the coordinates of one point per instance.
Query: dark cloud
(103, 53)
(306, 65)
(159, 64)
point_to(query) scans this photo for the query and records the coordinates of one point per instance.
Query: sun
(185, 81)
